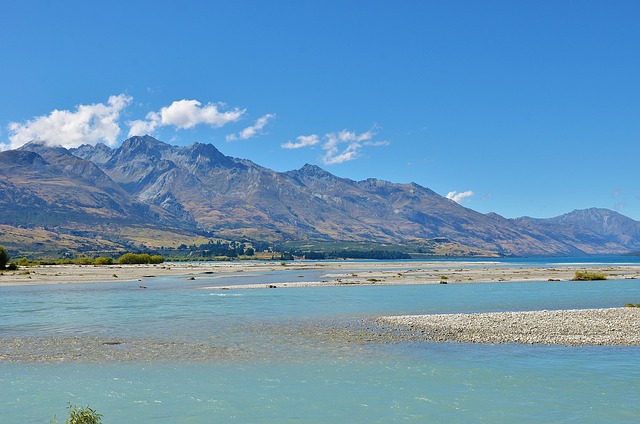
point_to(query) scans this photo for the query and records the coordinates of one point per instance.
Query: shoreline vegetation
(616, 326)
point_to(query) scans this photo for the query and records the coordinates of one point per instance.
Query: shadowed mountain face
(147, 181)
(53, 203)
(68, 188)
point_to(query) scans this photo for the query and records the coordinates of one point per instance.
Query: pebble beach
(612, 327)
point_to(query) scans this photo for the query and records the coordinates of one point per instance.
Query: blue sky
(520, 108)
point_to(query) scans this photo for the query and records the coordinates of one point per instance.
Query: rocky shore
(616, 326)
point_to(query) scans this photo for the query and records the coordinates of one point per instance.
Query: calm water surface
(287, 378)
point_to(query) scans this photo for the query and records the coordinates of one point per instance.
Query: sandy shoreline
(339, 273)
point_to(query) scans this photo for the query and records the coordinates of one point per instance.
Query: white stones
(617, 326)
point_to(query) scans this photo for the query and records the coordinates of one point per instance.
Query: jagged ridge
(147, 181)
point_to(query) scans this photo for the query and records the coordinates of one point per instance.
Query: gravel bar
(614, 327)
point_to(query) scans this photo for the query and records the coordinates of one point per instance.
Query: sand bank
(66, 274)
(407, 273)
(339, 273)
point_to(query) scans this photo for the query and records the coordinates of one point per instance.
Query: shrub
(588, 276)
(140, 258)
(81, 260)
(81, 415)
(102, 260)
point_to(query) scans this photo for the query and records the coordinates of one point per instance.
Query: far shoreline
(338, 273)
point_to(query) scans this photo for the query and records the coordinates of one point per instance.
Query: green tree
(4, 258)
(103, 260)
(140, 258)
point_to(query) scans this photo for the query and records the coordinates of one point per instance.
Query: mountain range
(147, 193)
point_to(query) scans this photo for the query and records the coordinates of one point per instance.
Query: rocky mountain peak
(41, 146)
(311, 169)
(138, 146)
(313, 172)
(99, 153)
(145, 141)
(207, 156)
(235, 198)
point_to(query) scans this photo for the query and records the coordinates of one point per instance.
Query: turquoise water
(428, 383)
(290, 377)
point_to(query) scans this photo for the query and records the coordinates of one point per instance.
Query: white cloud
(142, 127)
(339, 147)
(88, 124)
(459, 197)
(333, 156)
(185, 114)
(253, 130)
(303, 141)
(335, 153)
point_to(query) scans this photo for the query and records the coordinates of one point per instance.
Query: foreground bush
(140, 258)
(588, 276)
(81, 415)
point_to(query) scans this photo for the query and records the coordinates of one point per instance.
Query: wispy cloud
(303, 141)
(345, 145)
(459, 197)
(253, 130)
(184, 114)
(87, 124)
(339, 147)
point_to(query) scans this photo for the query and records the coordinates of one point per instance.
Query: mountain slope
(149, 183)
(612, 228)
(53, 202)
(73, 186)
(238, 198)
